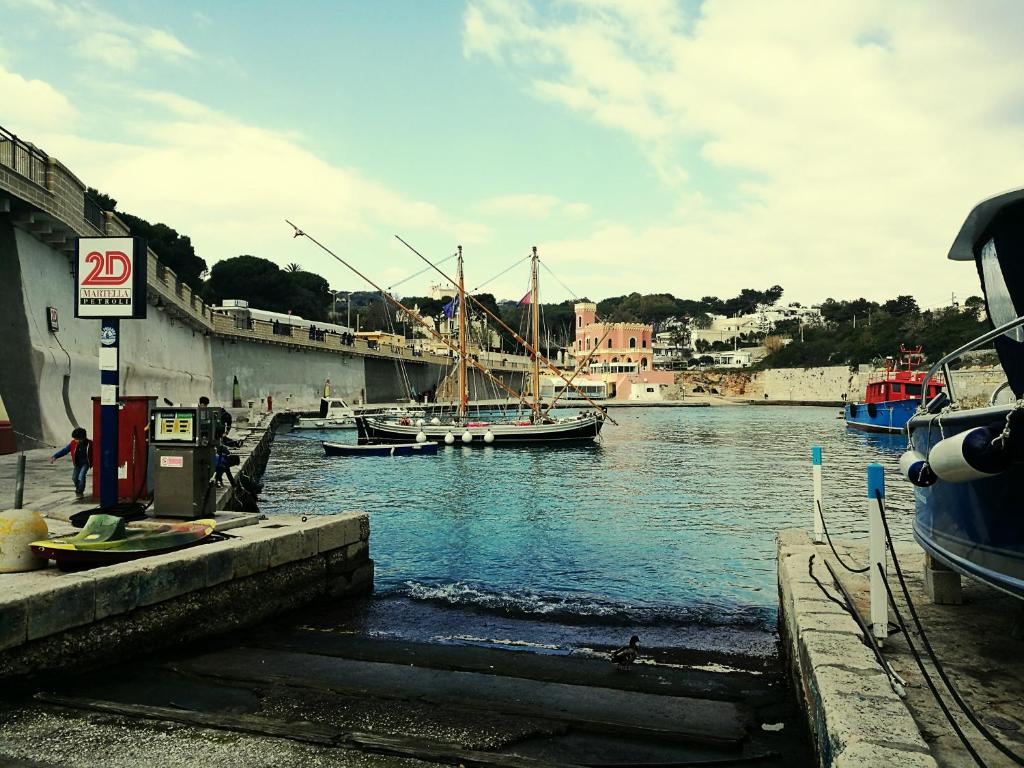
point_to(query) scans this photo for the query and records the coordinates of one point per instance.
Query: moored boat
(892, 395)
(335, 413)
(583, 428)
(377, 449)
(541, 427)
(967, 462)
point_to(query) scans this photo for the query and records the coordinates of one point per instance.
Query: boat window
(1000, 304)
(897, 387)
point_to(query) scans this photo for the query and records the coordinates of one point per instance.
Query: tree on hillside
(265, 286)
(292, 267)
(174, 250)
(901, 306)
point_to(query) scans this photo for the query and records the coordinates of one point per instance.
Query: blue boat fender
(917, 470)
(971, 455)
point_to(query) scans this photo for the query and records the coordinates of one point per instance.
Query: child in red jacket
(80, 449)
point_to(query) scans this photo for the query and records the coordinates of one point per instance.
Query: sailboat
(537, 427)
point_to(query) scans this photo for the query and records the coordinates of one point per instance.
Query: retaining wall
(49, 379)
(52, 621)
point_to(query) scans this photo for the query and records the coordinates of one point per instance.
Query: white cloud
(230, 185)
(105, 38)
(842, 144)
(532, 206)
(32, 105)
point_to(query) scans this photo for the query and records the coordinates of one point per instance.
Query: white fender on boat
(488, 437)
(467, 436)
(449, 439)
(419, 422)
(969, 456)
(435, 421)
(421, 437)
(916, 469)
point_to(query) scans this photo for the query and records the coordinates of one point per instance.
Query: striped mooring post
(819, 524)
(876, 554)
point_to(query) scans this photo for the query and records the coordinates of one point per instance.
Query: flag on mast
(526, 299)
(451, 307)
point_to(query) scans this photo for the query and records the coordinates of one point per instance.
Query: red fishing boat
(893, 395)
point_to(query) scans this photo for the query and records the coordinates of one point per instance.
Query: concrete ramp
(596, 708)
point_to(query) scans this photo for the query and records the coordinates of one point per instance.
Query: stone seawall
(827, 385)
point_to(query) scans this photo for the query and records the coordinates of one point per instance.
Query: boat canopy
(977, 223)
(993, 237)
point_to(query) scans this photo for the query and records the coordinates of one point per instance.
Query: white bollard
(876, 552)
(819, 524)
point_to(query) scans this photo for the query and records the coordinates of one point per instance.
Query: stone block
(863, 754)
(357, 582)
(117, 588)
(13, 620)
(355, 553)
(793, 537)
(819, 648)
(942, 584)
(168, 576)
(68, 601)
(289, 545)
(251, 556)
(340, 530)
(220, 563)
(827, 622)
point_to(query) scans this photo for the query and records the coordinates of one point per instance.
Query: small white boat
(405, 412)
(335, 413)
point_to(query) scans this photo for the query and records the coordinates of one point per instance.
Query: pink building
(619, 353)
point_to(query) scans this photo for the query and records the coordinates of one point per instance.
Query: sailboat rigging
(540, 428)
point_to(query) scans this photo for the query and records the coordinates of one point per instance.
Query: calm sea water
(666, 527)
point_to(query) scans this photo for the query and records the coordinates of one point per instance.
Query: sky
(695, 148)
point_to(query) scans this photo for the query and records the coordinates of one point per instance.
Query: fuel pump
(185, 442)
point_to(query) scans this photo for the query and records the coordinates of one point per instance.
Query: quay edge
(52, 621)
(854, 716)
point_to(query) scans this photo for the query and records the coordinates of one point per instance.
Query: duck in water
(627, 654)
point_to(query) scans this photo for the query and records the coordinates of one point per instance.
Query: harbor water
(665, 528)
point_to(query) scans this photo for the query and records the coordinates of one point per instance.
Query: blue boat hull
(414, 449)
(976, 528)
(888, 416)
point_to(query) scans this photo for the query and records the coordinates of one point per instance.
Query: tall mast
(536, 330)
(463, 393)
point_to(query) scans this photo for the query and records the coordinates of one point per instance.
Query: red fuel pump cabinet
(133, 479)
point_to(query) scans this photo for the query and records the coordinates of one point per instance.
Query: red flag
(526, 298)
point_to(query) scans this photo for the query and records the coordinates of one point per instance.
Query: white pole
(876, 550)
(819, 524)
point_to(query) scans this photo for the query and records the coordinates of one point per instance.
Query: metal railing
(943, 363)
(93, 213)
(23, 158)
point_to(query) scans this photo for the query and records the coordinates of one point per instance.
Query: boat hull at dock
(580, 430)
(389, 449)
(974, 527)
(888, 416)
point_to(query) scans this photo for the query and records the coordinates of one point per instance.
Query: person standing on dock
(80, 449)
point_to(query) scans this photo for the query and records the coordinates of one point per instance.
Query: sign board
(110, 277)
(52, 319)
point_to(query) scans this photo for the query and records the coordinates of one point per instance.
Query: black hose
(968, 712)
(828, 538)
(926, 676)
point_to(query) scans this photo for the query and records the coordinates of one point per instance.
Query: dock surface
(857, 717)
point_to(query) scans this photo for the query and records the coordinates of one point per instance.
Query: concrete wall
(293, 377)
(52, 378)
(971, 386)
